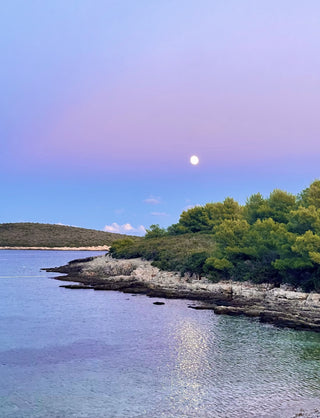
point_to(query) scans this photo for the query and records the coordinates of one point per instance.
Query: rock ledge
(279, 306)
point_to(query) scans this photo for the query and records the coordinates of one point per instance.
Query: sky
(103, 102)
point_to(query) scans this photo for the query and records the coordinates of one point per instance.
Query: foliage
(123, 248)
(254, 208)
(311, 195)
(155, 231)
(280, 204)
(177, 229)
(304, 219)
(194, 263)
(205, 218)
(274, 240)
(277, 206)
(217, 268)
(168, 252)
(196, 219)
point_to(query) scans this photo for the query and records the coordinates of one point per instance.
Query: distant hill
(48, 235)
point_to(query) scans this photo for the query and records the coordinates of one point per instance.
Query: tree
(277, 206)
(304, 219)
(195, 219)
(218, 212)
(254, 208)
(302, 267)
(121, 248)
(217, 268)
(155, 231)
(205, 218)
(230, 232)
(311, 195)
(306, 244)
(194, 263)
(281, 203)
(177, 229)
(256, 248)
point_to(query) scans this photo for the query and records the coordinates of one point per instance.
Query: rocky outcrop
(279, 306)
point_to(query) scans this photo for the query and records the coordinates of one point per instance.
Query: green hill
(48, 235)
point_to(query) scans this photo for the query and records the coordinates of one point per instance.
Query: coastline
(278, 306)
(96, 248)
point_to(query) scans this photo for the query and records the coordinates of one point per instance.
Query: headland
(282, 306)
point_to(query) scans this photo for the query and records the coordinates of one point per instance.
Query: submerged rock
(76, 286)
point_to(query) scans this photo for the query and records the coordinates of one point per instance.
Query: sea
(85, 353)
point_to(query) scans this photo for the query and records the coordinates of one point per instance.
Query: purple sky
(103, 102)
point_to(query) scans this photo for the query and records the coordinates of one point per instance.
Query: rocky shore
(280, 306)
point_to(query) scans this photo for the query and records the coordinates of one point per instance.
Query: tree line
(274, 239)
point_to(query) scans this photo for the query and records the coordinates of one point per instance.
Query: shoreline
(282, 306)
(93, 248)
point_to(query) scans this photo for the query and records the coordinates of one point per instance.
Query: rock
(281, 306)
(76, 286)
(203, 307)
(158, 303)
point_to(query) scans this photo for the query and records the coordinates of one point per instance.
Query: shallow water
(81, 353)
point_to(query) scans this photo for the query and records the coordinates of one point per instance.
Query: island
(37, 236)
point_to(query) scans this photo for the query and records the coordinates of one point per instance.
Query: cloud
(152, 200)
(127, 229)
(159, 214)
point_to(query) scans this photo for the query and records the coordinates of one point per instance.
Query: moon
(194, 160)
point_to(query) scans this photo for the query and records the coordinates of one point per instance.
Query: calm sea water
(81, 353)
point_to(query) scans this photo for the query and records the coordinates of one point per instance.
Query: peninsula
(260, 259)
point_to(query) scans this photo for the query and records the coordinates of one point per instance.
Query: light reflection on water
(192, 350)
(230, 367)
(93, 354)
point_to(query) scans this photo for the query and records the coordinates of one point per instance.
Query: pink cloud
(126, 228)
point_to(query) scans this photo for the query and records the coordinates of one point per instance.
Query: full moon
(194, 160)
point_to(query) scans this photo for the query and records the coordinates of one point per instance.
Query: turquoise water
(81, 353)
